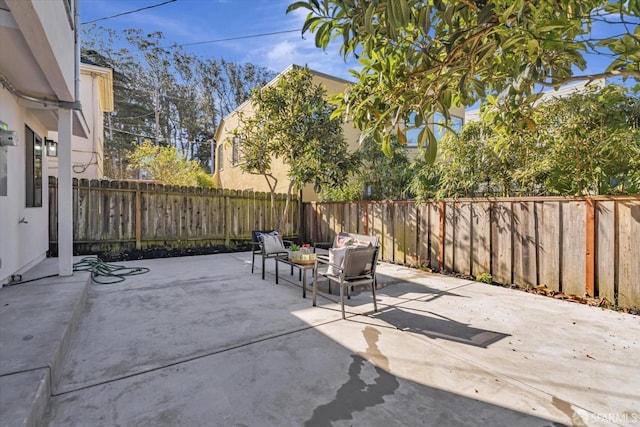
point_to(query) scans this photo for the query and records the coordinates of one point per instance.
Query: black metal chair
(266, 251)
(358, 268)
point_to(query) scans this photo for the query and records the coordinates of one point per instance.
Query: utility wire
(241, 37)
(127, 13)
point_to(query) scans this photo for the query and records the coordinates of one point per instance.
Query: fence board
(451, 217)
(573, 247)
(481, 238)
(606, 250)
(387, 232)
(629, 253)
(376, 218)
(548, 250)
(411, 234)
(524, 247)
(462, 245)
(434, 233)
(400, 244)
(502, 216)
(81, 211)
(423, 233)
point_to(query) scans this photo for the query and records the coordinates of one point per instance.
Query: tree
(165, 166)
(379, 177)
(423, 57)
(292, 122)
(587, 143)
(591, 143)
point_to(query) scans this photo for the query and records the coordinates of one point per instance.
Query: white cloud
(281, 55)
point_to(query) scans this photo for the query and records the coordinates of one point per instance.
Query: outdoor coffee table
(303, 266)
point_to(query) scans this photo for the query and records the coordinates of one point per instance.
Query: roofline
(94, 68)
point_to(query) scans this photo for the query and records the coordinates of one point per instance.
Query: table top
(298, 263)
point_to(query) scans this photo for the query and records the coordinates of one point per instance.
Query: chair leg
(253, 260)
(263, 267)
(342, 299)
(373, 291)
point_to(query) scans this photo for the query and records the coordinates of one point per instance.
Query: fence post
(443, 208)
(590, 246)
(138, 218)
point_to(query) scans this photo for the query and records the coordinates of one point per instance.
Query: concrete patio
(200, 341)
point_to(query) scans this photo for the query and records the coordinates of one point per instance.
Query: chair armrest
(323, 261)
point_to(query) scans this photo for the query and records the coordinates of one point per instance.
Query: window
(235, 153)
(33, 146)
(220, 158)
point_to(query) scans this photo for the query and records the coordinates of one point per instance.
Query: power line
(127, 13)
(241, 37)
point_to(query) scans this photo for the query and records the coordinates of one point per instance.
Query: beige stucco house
(39, 93)
(229, 175)
(96, 97)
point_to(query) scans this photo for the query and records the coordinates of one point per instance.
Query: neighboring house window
(220, 158)
(236, 149)
(33, 146)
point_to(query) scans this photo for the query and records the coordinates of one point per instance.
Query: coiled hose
(99, 269)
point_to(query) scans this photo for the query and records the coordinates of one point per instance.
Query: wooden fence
(121, 215)
(575, 245)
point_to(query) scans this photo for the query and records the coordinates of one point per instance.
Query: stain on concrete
(356, 395)
(566, 408)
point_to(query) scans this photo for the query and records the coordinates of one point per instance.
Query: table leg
(315, 283)
(304, 282)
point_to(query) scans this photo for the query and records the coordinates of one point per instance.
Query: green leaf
(402, 137)
(368, 18)
(485, 14)
(298, 5)
(386, 145)
(431, 149)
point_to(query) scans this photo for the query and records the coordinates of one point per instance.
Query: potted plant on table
(294, 252)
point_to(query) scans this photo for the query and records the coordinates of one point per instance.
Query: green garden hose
(98, 268)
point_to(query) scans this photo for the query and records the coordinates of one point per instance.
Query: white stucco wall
(22, 244)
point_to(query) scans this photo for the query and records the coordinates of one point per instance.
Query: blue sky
(195, 21)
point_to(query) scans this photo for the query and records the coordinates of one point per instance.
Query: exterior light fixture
(52, 147)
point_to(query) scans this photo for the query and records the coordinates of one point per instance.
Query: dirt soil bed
(151, 253)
